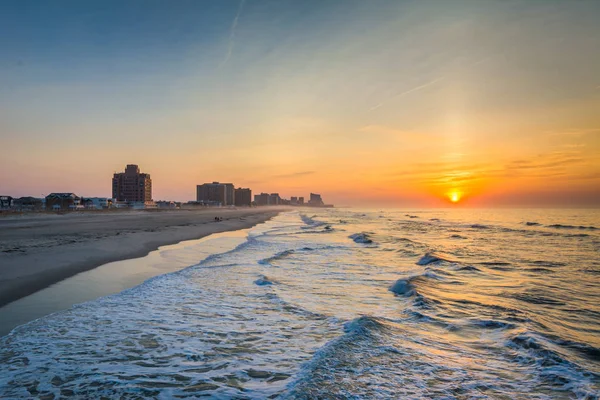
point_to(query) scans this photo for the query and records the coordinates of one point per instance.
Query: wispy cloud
(294, 174)
(406, 92)
(577, 132)
(232, 32)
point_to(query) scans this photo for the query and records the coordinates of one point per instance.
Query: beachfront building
(165, 204)
(63, 202)
(243, 197)
(274, 199)
(6, 202)
(301, 201)
(315, 200)
(96, 203)
(216, 193)
(132, 185)
(261, 199)
(28, 203)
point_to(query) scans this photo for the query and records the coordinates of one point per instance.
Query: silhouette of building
(262, 199)
(28, 203)
(216, 193)
(315, 200)
(6, 202)
(243, 197)
(301, 201)
(131, 185)
(274, 199)
(63, 202)
(96, 203)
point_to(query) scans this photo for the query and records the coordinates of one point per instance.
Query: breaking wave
(363, 238)
(433, 258)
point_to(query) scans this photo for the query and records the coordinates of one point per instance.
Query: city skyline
(384, 104)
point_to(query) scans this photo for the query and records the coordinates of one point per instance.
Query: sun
(455, 196)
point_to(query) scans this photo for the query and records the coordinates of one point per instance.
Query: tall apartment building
(222, 193)
(274, 199)
(262, 199)
(131, 185)
(243, 197)
(315, 200)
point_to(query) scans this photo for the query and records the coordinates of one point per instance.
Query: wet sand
(37, 251)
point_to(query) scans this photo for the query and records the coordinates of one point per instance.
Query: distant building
(262, 199)
(301, 201)
(28, 204)
(315, 200)
(141, 205)
(274, 199)
(243, 197)
(168, 204)
(63, 202)
(132, 186)
(216, 193)
(6, 202)
(294, 200)
(96, 203)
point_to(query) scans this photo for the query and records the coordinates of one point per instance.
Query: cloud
(232, 31)
(385, 130)
(295, 174)
(404, 93)
(577, 132)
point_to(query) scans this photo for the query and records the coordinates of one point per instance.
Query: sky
(382, 103)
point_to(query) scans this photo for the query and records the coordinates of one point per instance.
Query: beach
(38, 250)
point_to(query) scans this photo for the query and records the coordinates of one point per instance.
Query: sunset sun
(455, 196)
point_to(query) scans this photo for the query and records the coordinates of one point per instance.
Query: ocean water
(343, 303)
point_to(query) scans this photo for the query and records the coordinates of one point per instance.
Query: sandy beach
(39, 250)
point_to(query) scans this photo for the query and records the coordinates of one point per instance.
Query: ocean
(342, 303)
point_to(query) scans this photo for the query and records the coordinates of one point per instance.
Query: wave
(469, 268)
(263, 281)
(492, 324)
(561, 226)
(552, 264)
(403, 287)
(540, 270)
(554, 368)
(326, 375)
(532, 223)
(310, 221)
(362, 237)
(429, 258)
(457, 236)
(479, 226)
(536, 298)
(406, 286)
(278, 256)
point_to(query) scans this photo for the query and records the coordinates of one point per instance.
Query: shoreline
(39, 251)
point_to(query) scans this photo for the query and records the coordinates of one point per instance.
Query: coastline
(38, 251)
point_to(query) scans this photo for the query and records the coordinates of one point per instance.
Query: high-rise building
(315, 200)
(131, 185)
(262, 199)
(301, 200)
(243, 197)
(274, 199)
(222, 193)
